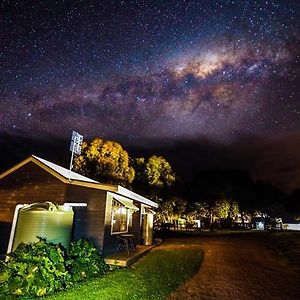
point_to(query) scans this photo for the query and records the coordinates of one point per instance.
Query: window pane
(119, 220)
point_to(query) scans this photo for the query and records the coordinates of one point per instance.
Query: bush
(85, 261)
(34, 269)
(41, 268)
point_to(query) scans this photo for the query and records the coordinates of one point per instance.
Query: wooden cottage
(111, 210)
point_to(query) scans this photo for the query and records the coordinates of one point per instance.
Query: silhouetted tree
(293, 204)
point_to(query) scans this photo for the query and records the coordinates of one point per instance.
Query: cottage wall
(30, 183)
(89, 220)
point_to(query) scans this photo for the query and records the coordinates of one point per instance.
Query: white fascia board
(125, 201)
(132, 195)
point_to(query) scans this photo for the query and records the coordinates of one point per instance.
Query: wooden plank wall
(27, 184)
(90, 220)
(30, 184)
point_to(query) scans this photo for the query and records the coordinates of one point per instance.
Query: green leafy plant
(40, 268)
(85, 261)
(34, 269)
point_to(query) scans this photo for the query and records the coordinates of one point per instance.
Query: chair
(123, 245)
(126, 243)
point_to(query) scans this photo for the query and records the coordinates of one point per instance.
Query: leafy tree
(197, 210)
(221, 208)
(171, 210)
(155, 172)
(105, 161)
(214, 209)
(225, 208)
(164, 212)
(234, 209)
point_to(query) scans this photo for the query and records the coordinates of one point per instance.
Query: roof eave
(100, 186)
(134, 196)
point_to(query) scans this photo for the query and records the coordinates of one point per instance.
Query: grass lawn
(287, 245)
(154, 277)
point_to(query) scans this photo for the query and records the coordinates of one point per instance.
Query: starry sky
(157, 74)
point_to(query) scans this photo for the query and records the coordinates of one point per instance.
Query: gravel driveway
(239, 267)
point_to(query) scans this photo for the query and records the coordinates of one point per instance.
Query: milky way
(159, 70)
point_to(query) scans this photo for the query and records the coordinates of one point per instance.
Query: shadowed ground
(239, 267)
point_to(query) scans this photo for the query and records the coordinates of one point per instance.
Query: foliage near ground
(41, 268)
(154, 277)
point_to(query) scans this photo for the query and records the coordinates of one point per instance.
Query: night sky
(211, 77)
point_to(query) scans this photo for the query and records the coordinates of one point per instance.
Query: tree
(138, 164)
(293, 204)
(267, 198)
(105, 161)
(171, 210)
(155, 171)
(234, 209)
(221, 208)
(215, 209)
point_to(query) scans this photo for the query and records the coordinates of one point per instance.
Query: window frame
(112, 218)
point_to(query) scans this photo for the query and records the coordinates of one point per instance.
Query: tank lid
(40, 206)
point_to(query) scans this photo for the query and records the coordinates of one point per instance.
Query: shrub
(85, 261)
(41, 268)
(34, 269)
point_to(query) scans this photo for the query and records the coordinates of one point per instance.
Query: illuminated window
(119, 217)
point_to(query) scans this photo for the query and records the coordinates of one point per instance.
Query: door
(147, 227)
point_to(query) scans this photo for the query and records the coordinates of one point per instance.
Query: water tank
(46, 220)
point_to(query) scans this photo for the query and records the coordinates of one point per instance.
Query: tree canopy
(105, 161)
(108, 162)
(155, 172)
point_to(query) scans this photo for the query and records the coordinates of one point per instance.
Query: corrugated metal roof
(130, 194)
(80, 180)
(63, 171)
(125, 201)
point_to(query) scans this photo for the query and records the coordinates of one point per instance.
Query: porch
(123, 259)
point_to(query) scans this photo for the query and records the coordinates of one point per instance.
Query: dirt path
(239, 267)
